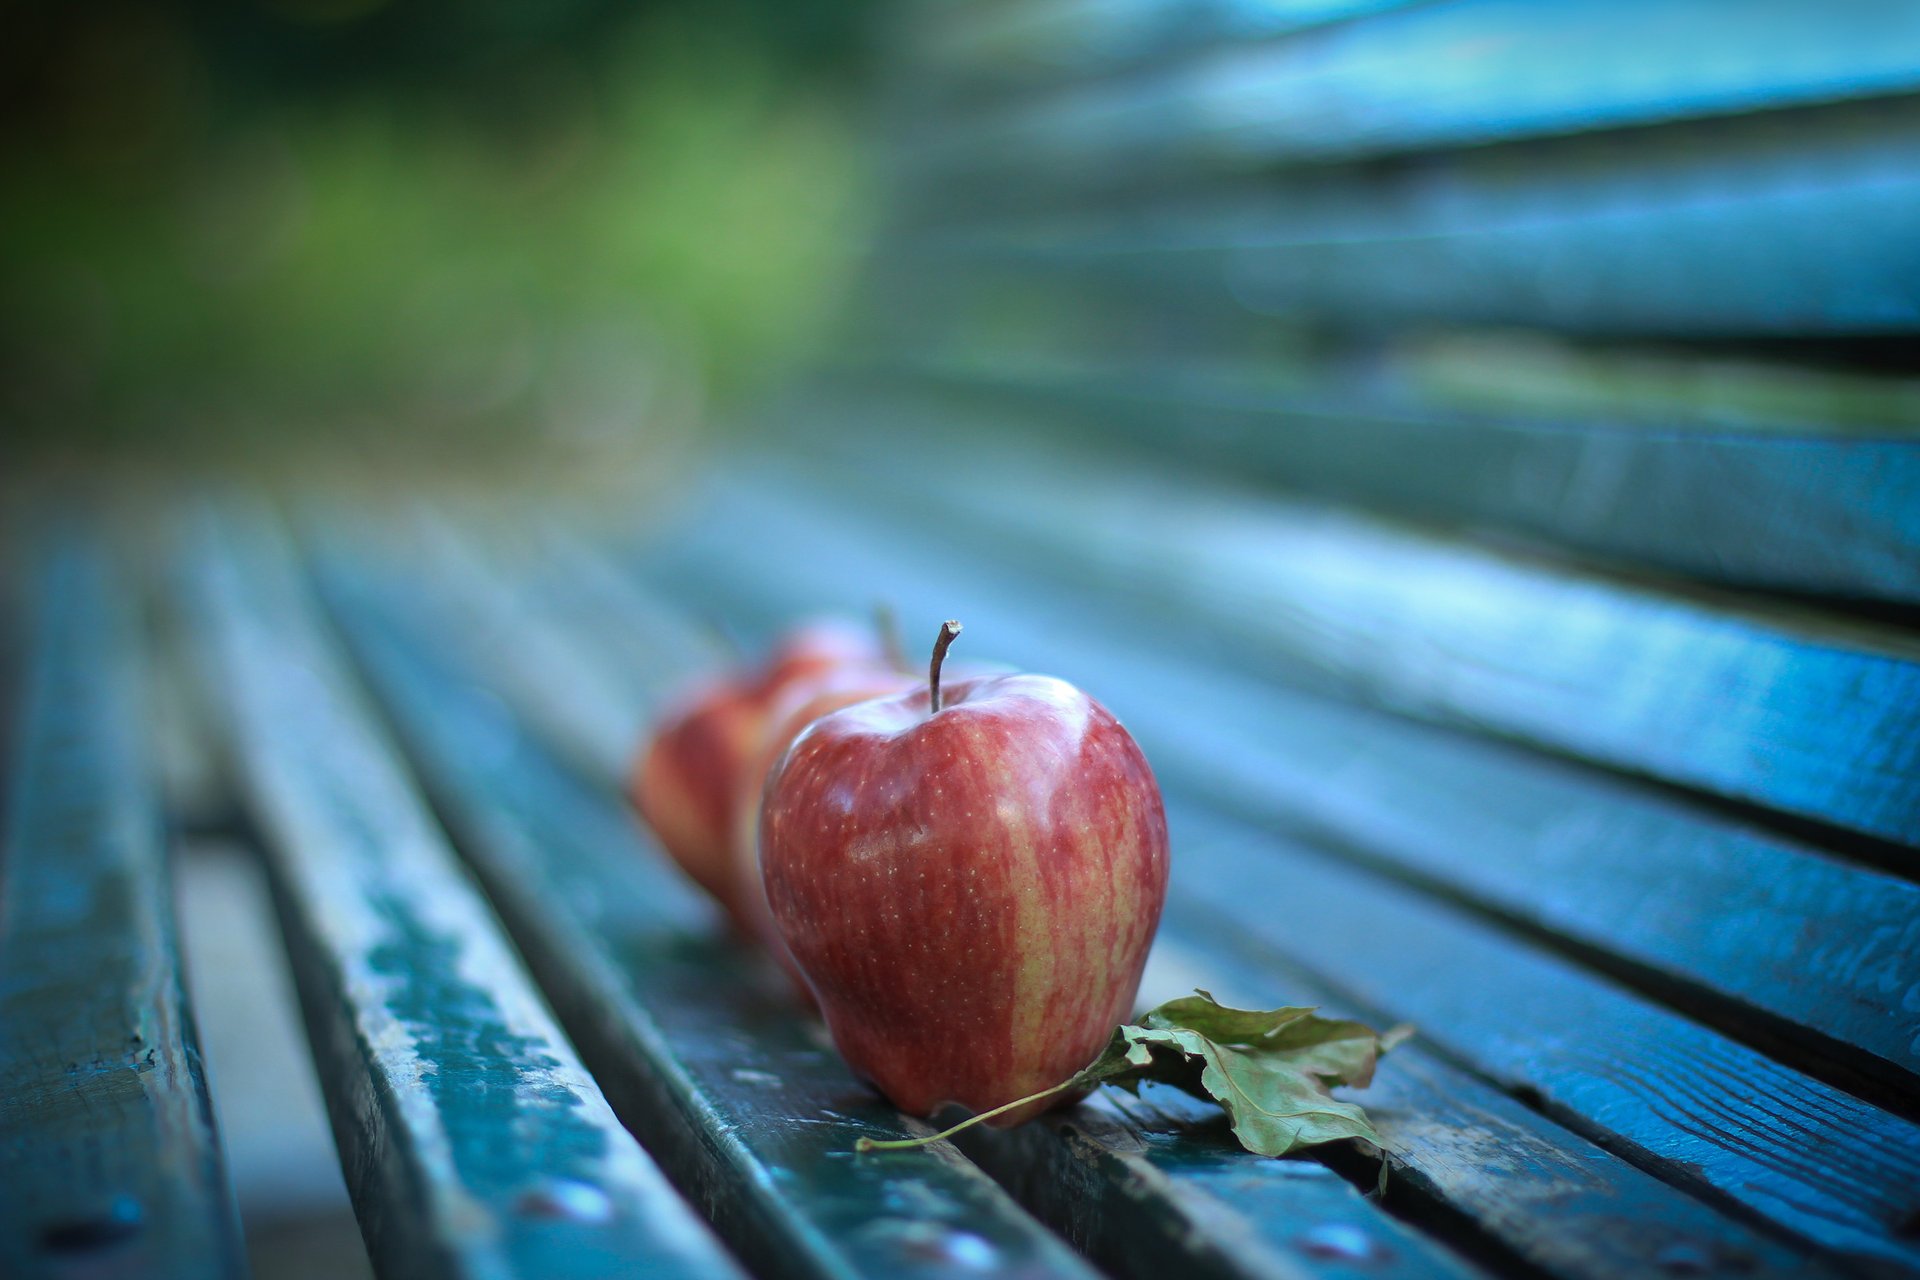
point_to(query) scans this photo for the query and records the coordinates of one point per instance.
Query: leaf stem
(908, 1144)
(941, 643)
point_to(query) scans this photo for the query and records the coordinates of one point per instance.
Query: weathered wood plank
(108, 1156)
(1747, 1129)
(1456, 1145)
(1701, 1110)
(1806, 234)
(1430, 76)
(1810, 508)
(1776, 707)
(1141, 1191)
(474, 1142)
(701, 1050)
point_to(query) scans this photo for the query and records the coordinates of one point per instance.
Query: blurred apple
(687, 780)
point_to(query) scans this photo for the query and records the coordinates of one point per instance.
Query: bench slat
(473, 1141)
(701, 1051)
(1809, 508)
(1704, 1111)
(1829, 1167)
(108, 1155)
(1431, 76)
(1458, 1145)
(1568, 1218)
(1807, 234)
(1780, 708)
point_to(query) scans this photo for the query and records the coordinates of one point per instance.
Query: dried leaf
(1272, 1070)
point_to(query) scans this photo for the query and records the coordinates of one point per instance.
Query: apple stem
(908, 1144)
(941, 643)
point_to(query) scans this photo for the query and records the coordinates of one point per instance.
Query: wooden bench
(1284, 376)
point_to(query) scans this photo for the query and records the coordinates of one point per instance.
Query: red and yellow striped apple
(969, 880)
(802, 704)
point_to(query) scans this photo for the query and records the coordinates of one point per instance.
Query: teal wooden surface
(1703, 1111)
(1155, 1188)
(1462, 1152)
(1747, 1129)
(1806, 235)
(1811, 507)
(1430, 76)
(109, 1160)
(1142, 1191)
(1774, 706)
(702, 1051)
(474, 1142)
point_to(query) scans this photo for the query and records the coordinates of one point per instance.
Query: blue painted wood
(1698, 1108)
(702, 1051)
(1780, 708)
(1131, 1186)
(1761, 228)
(1800, 506)
(1456, 1144)
(1423, 77)
(109, 1160)
(474, 1142)
(1702, 1111)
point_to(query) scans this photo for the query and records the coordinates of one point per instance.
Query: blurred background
(296, 233)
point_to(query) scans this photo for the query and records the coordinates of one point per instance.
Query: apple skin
(803, 702)
(688, 777)
(970, 894)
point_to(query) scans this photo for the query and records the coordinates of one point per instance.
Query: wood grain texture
(1803, 233)
(474, 1142)
(1150, 1190)
(1142, 1192)
(703, 1052)
(108, 1155)
(1456, 1145)
(1803, 508)
(1424, 77)
(1700, 1109)
(1783, 709)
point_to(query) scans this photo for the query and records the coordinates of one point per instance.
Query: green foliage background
(437, 226)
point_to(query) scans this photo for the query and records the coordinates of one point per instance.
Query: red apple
(687, 779)
(803, 702)
(969, 880)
